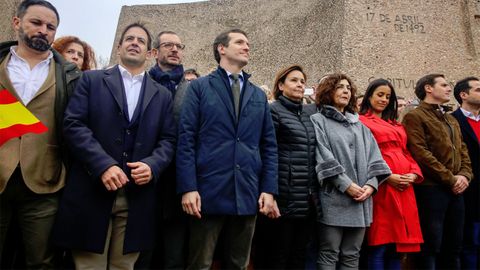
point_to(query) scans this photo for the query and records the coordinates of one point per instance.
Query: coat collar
(296, 107)
(333, 113)
(114, 83)
(220, 82)
(463, 121)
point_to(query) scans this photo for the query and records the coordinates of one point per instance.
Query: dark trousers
(471, 245)
(237, 233)
(35, 215)
(442, 216)
(282, 243)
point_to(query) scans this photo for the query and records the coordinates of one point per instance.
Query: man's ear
(16, 23)
(221, 49)
(463, 95)
(151, 54)
(428, 88)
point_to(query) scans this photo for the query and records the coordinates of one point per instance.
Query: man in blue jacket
(226, 157)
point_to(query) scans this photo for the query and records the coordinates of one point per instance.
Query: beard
(37, 42)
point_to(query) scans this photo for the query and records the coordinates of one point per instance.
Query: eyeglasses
(169, 45)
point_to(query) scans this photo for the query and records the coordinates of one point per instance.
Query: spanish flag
(15, 119)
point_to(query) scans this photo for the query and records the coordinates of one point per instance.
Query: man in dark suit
(226, 157)
(467, 93)
(120, 129)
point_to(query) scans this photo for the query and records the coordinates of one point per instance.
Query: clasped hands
(358, 193)
(114, 177)
(402, 181)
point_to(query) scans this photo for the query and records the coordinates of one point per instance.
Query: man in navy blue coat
(226, 157)
(120, 129)
(467, 93)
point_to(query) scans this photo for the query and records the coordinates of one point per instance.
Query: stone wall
(397, 40)
(9, 7)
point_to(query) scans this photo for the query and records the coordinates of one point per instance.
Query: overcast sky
(95, 21)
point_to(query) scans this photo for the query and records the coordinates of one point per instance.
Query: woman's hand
(401, 181)
(367, 192)
(354, 190)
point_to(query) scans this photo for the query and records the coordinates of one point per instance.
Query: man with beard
(32, 167)
(120, 128)
(170, 253)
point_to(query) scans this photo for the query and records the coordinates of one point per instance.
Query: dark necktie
(236, 93)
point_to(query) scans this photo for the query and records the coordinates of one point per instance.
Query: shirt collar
(470, 115)
(127, 75)
(17, 57)
(240, 75)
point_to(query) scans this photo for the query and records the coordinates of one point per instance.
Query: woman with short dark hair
(349, 170)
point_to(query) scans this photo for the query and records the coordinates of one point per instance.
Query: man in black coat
(119, 127)
(467, 93)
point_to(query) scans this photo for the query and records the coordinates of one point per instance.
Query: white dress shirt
(133, 86)
(470, 115)
(27, 81)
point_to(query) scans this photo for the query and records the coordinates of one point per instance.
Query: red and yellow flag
(15, 119)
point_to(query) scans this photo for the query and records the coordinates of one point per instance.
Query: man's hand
(114, 178)
(266, 203)
(276, 212)
(140, 172)
(461, 184)
(192, 204)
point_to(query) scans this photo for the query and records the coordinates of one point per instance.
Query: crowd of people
(165, 169)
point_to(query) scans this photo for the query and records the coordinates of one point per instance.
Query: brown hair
(327, 87)
(424, 81)
(61, 44)
(282, 75)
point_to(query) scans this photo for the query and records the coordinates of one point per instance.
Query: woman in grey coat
(349, 169)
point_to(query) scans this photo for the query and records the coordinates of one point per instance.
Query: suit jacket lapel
(49, 81)
(246, 94)
(464, 124)
(149, 91)
(224, 92)
(5, 82)
(114, 83)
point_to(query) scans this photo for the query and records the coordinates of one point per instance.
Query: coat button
(120, 113)
(238, 139)
(125, 154)
(237, 166)
(128, 131)
(118, 140)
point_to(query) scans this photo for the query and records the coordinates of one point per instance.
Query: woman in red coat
(396, 227)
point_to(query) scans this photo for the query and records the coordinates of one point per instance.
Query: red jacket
(395, 215)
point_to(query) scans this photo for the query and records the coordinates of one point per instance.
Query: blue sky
(95, 21)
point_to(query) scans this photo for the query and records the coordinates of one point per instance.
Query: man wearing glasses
(170, 250)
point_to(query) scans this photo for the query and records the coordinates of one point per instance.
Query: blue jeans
(383, 257)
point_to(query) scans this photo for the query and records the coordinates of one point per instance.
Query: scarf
(168, 79)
